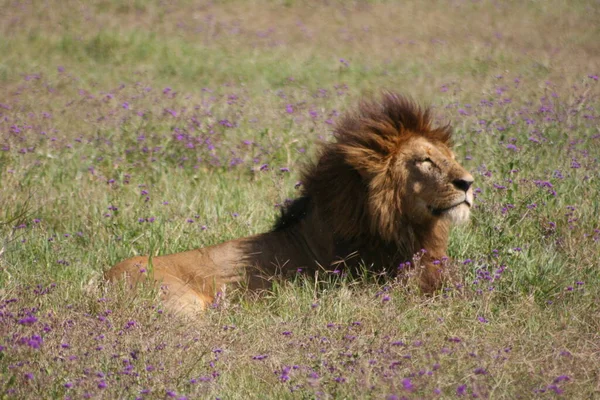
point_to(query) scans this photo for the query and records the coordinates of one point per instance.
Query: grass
(131, 127)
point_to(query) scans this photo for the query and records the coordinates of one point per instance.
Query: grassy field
(134, 127)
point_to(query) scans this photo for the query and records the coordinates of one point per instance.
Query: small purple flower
(461, 390)
(562, 378)
(575, 164)
(556, 389)
(407, 384)
(284, 375)
(289, 109)
(29, 320)
(35, 342)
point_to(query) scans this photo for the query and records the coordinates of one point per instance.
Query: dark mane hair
(292, 213)
(351, 183)
(379, 125)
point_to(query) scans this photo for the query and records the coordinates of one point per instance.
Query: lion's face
(436, 185)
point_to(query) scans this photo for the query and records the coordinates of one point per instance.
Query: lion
(386, 187)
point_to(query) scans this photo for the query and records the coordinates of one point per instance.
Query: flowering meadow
(150, 127)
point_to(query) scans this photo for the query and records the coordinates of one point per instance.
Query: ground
(132, 127)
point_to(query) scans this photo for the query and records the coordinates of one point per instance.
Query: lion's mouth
(440, 211)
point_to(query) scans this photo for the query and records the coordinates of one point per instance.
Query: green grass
(131, 127)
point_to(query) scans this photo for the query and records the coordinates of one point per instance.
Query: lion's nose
(463, 183)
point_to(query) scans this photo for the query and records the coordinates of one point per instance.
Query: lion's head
(390, 175)
(436, 186)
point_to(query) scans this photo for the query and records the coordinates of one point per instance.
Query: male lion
(387, 187)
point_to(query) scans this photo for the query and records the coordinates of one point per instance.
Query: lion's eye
(426, 165)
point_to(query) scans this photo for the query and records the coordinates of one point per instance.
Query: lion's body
(386, 188)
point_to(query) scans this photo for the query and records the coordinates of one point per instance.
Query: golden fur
(387, 187)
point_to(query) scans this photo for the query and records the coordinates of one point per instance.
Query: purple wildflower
(407, 384)
(29, 320)
(562, 378)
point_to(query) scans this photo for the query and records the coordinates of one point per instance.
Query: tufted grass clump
(131, 127)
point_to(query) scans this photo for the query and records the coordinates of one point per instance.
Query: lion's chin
(458, 214)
